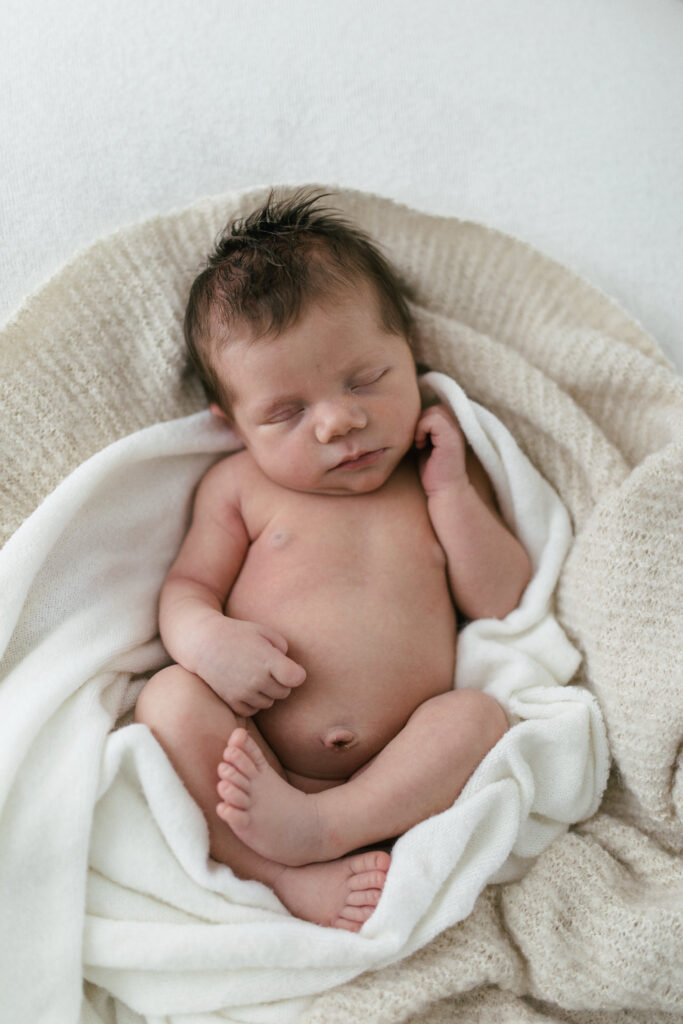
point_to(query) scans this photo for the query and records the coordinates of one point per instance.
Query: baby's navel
(279, 538)
(339, 739)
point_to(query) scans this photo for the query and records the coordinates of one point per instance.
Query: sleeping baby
(311, 610)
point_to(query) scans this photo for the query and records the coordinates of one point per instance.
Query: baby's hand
(442, 443)
(246, 664)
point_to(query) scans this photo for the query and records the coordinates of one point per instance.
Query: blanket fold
(103, 854)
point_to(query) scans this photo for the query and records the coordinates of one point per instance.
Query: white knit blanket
(166, 931)
(103, 855)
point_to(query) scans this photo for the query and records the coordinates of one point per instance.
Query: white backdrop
(559, 122)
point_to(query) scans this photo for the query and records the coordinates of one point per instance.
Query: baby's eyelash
(282, 415)
(367, 382)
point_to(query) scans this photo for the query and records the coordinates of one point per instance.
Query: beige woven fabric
(594, 933)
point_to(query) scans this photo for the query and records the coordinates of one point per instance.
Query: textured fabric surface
(594, 932)
(165, 930)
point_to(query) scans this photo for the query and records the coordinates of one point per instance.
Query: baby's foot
(265, 812)
(338, 893)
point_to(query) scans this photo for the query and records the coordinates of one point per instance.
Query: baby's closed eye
(368, 379)
(284, 413)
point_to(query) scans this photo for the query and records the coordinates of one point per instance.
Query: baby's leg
(192, 724)
(419, 773)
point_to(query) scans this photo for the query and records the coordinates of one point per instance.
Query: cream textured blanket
(596, 925)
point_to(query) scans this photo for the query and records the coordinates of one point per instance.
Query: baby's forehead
(326, 342)
(267, 316)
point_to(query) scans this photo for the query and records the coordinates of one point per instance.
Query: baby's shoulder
(226, 479)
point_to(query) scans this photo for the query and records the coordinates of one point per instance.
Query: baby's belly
(368, 668)
(358, 587)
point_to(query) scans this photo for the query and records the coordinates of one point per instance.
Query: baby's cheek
(294, 469)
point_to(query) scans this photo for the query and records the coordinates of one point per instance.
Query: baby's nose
(336, 419)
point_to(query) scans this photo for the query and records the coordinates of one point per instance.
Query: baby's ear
(221, 414)
(215, 408)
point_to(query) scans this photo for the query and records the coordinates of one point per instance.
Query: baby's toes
(241, 740)
(371, 861)
(237, 819)
(232, 776)
(234, 796)
(354, 916)
(244, 754)
(364, 898)
(367, 880)
(349, 926)
(239, 761)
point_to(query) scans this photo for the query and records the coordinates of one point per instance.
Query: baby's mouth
(362, 459)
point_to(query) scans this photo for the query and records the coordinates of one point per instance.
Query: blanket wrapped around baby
(104, 872)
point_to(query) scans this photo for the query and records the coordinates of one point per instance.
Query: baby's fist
(443, 450)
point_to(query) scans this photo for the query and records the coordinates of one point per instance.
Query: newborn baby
(311, 610)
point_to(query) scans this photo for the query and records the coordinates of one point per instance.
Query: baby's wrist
(451, 505)
(206, 635)
(450, 491)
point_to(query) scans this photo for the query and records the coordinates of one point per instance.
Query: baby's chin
(362, 480)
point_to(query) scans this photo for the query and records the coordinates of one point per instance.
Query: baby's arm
(245, 663)
(488, 568)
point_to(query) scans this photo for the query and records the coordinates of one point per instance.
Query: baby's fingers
(287, 672)
(422, 430)
(430, 423)
(441, 427)
(275, 690)
(273, 637)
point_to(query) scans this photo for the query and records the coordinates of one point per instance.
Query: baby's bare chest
(380, 543)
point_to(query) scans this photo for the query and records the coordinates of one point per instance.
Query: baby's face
(329, 406)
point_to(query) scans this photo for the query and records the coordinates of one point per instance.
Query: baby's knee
(169, 697)
(469, 714)
(488, 717)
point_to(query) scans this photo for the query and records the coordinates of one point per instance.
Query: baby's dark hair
(267, 267)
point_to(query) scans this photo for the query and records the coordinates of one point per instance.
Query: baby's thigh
(191, 722)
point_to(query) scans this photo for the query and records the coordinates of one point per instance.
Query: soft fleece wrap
(97, 356)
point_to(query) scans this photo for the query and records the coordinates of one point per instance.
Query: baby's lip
(352, 456)
(360, 458)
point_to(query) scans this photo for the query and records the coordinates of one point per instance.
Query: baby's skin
(312, 614)
(338, 579)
